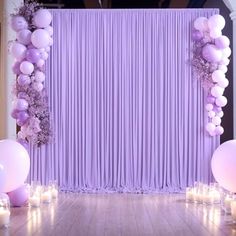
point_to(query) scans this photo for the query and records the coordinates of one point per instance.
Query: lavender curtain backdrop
(127, 113)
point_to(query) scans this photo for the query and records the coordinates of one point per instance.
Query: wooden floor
(120, 214)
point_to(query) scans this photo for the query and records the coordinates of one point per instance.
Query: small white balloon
(26, 67)
(221, 101)
(220, 114)
(44, 55)
(215, 33)
(217, 74)
(211, 114)
(209, 107)
(201, 23)
(219, 130)
(223, 68)
(210, 127)
(216, 120)
(225, 61)
(226, 52)
(40, 63)
(217, 91)
(223, 83)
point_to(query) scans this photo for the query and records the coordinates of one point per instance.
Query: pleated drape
(127, 113)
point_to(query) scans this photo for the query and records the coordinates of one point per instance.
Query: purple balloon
(23, 80)
(22, 95)
(23, 116)
(222, 42)
(24, 36)
(210, 99)
(211, 53)
(33, 55)
(16, 68)
(197, 35)
(21, 104)
(19, 122)
(19, 197)
(217, 108)
(24, 143)
(14, 113)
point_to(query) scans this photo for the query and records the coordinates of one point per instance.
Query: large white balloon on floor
(15, 164)
(223, 165)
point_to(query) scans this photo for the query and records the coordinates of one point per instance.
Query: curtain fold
(127, 113)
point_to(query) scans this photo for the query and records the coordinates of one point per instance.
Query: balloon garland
(30, 50)
(210, 59)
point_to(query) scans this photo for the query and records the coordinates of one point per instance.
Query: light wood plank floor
(120, 214)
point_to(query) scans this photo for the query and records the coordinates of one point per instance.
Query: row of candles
(212, 194)
(37, 194)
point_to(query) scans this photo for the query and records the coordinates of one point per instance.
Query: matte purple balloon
(23, 80)
(33, 55)
(197, 35)
(19, 197)
(14, 113)
(16, 68)
(24, 36)
(210, 99)
(23, 116)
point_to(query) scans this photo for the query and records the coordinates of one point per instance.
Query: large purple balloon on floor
(15, 160)
(19, 196)
(211, 53)
(223, 165)
(2, 179)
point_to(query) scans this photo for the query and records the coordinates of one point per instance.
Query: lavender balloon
(20, 196)
(42, 18)
(24, 36)
(16, 68)
(18, 23)
(33, 55)
(23, 116)
(26, 67)
(23, 80)
(24, 143)
(222, 42)
(14, 114)
(40, 38)
(210, 99)
(21, 104)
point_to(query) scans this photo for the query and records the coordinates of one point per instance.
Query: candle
(34, 201)
(54, 193)
(4, 217)
(233, 209)
(227, 203)
(46, 197)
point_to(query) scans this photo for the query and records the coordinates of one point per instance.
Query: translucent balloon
(18, 23)
(210, 127)
(201, 23)
(211, 53)
(40, 38)
(216, 120)
(26, 67)
(216, 21)
(217, 91)
(24, 36)
(221, 101)
(16, 163)
(18, 50)
(42, 18)
(222, 42)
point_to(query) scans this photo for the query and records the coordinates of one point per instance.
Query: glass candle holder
(46, 195)
(34, 198)
(226, 202)
(233, 209)
(4, 210)
(189, 195)
(54, 188)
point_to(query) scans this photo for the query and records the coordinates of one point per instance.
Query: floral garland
(30, 49)
(210, 59)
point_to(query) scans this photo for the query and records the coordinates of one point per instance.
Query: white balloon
(201, 23)
(211, 114)
(221, 101)
(217, 74)
(210, 127)
(226, 52)
(223, 68)
(209, 107)
(215, 33)
(220, 114)
(26, 67)
(216, 120)
(219, 130)
(217, 91)
(223, 83)
(225, 61)
(216, 21)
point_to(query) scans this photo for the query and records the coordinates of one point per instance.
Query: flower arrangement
(30, 49)
(210, 59)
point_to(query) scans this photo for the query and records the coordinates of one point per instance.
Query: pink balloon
(40, 38)
(42, 18)
(24, 36)
(18, 50)
(19, 196)
(15, 160)
(26, 67)
(223, 165)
